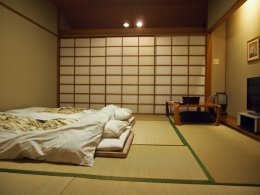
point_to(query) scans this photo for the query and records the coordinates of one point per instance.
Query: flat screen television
(253, 95)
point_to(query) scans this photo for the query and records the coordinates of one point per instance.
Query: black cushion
(190, 100)
(196, 117)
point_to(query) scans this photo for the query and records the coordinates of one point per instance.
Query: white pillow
(114, 128)
(123, 113)
(110, 110)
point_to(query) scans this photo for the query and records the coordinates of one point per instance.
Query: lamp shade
(221, 98)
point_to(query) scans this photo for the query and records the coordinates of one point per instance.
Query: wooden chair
(210, 115)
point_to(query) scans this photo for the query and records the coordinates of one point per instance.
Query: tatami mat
(155, 133)
(12, 183)
(150, 162)
(96, 187)
(150, 117)
(157, 163)
(229, 156)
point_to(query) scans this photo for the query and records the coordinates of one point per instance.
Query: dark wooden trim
(138, 91)
(154, 72)
(226, 15)
(58, 75)
(58, 66)
(74, 69)
(133, 32)
(28, 19)
(188, 66)
(208, 66)
(172, 69)
(105, 71)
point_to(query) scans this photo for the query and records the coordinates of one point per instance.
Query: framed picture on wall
(253, 49)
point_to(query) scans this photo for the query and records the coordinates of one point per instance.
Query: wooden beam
(132, 32)
(227, 14)
(208, 66)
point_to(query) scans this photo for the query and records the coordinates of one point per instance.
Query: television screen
(253, 94)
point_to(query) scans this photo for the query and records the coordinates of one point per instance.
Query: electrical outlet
(216, 61)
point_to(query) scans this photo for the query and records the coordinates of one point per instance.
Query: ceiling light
(126, 25)
(139, 24)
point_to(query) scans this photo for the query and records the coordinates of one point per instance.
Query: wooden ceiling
(104, 14)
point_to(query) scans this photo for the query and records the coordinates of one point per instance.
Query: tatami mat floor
(146, 133)
(164, 160)
(14, 184)
(228, 155)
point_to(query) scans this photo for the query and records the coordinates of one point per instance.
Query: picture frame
(253, 49)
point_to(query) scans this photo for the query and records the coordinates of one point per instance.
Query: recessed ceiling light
(126, 25)
(139, 24)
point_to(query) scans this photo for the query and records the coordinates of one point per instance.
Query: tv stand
(253, 113)
(248, 122)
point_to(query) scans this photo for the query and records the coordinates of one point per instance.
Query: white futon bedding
(74, 143)
(114, 144)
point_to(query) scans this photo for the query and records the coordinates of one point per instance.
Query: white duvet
(74, 143)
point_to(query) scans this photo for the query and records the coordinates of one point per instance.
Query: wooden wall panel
(181, 40)
(130, 41)
(82, 42)
(180, 50)
(146, 51)
(114, 41)
(140, 73)
(66, 61)
(114, 61)
(67, 88)
(113, 51)
(113, 89)
(81, 79)
(82, 52)
(180, 60)
(66, 43)
(67, 52)
(81, 89)
(82, 61)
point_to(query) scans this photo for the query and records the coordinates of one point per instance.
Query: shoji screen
(140, 73)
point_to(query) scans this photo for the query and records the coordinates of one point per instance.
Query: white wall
(218, 8)
(218, 69)
(28, 54)
(42, 11)
(242, 26)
